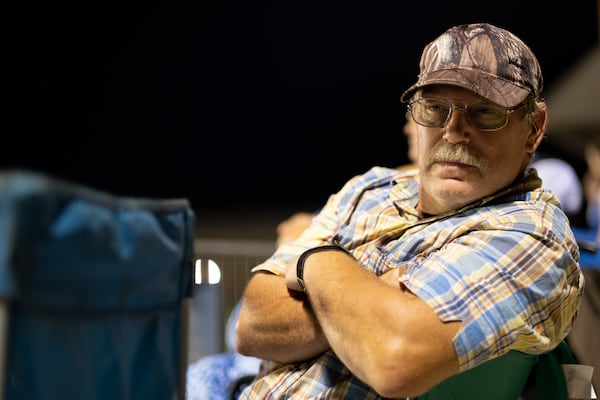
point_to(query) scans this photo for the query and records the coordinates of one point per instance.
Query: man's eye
(435, 108)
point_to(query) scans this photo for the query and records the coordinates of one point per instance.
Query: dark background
(236, 104)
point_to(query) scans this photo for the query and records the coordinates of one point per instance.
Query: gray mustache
(456, 153)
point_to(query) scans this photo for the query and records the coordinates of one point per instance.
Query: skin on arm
(401, 348)
(276, 323)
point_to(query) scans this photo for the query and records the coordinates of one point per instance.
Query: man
(405, 279)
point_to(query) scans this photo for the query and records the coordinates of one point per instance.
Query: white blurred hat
(560, 177)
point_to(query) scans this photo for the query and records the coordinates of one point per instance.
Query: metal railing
(222, 269)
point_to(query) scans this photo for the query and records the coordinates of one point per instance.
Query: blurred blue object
(94, 287)
(589, 256)
(217, 376)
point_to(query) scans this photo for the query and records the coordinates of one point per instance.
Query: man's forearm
(377, 328)
(277, 324)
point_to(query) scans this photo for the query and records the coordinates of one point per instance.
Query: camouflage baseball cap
(485, 59)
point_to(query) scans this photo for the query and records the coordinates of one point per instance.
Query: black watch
(304, 256)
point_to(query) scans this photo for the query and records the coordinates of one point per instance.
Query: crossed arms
(386, 336)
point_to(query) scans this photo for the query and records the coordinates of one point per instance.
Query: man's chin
(457, 193)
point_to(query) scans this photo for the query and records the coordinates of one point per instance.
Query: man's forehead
(451, 92)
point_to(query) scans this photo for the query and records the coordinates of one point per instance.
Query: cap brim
(490, 87)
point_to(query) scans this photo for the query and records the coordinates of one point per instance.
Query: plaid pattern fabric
(505, 266)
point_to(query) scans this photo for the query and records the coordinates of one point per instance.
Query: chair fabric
(95, 285)
(505, 378)
(500, 379)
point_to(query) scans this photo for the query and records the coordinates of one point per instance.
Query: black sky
(236, 103)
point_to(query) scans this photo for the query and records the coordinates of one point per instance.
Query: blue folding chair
(93, 288)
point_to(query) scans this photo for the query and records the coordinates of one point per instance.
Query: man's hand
(390, 277)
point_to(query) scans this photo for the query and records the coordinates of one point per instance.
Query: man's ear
(538, 128)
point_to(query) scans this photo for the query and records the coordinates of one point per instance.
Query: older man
(405, 279)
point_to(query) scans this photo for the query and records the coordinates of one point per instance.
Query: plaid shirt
(506, 266)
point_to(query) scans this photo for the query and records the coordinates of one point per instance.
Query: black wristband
(304, 256)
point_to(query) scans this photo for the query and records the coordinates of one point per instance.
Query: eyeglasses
(435, 113)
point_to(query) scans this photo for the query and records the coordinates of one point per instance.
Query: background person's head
(561, 178)
(410, 130)
(479, 115)
(591, 183)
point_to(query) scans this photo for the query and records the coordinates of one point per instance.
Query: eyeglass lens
(435, 113)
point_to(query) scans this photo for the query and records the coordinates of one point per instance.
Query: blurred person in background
(560, 177)
(591, 188)
(584, 337)
(216, 376)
